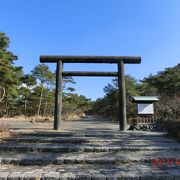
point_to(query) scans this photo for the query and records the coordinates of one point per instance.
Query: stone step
(87, 154)
(89, 146)
(91, 172)
(101, 134)
(33, 147)
(86, 158)
(34, 139)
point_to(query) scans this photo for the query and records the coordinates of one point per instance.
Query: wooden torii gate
(119, 60)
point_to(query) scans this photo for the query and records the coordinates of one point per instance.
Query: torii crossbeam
(119, 60)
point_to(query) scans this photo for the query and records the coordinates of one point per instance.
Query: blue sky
(147, 28)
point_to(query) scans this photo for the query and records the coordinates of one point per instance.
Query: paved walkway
(93, 148)
(87, 123)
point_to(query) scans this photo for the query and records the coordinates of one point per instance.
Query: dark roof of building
(144, 99)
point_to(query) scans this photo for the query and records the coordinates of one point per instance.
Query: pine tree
(10, 75)
(44, 77)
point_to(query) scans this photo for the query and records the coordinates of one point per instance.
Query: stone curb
(77, 140)
(59, 161)
(73, 148)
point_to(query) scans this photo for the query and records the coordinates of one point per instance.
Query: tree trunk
(3, 94)
(45, 107)
(7, 108)
(25, 107)
(40, 101)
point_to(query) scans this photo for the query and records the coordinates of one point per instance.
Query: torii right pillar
(122, 97)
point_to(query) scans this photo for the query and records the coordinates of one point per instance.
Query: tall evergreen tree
(10, 75)
(44, 77)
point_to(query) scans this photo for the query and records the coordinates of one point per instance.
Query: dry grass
(73, 116)
(27, 118)
(5, 130)
(4, 127)
(40, 119)
(33, 119)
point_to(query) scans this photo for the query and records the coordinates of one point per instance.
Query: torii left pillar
(58, 96)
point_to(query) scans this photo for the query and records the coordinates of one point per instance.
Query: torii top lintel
(91, 59)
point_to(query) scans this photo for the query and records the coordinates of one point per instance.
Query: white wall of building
(145, 109)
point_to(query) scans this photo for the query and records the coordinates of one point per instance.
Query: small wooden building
(145, 104)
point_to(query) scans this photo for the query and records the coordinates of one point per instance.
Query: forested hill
(165, 84)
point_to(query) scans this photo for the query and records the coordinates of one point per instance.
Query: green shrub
(173, 128)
